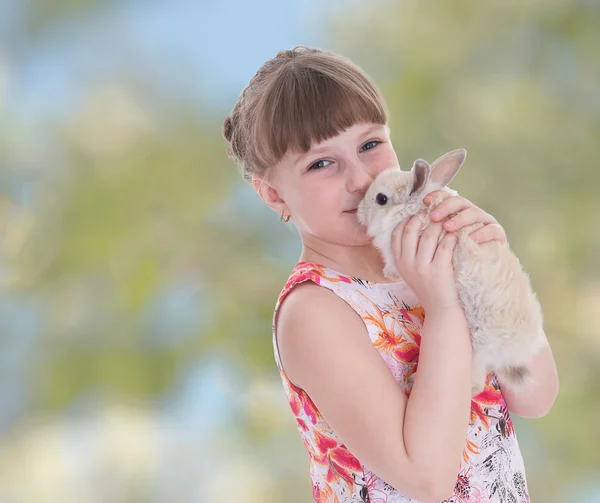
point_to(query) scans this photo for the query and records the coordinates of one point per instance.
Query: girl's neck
(363, 262)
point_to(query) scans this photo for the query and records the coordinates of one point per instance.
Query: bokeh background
(139, 271)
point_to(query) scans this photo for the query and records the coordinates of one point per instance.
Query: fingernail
(435, 214)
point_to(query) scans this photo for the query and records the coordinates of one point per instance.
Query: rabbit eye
(381, 199)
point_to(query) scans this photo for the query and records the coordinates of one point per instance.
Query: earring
(284, 219)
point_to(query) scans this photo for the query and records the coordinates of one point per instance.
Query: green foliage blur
(139, 271)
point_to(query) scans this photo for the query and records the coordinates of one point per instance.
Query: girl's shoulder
(313, 319)
(316, 273)
(313, 286)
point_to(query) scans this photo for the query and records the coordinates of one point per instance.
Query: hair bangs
(305, 105)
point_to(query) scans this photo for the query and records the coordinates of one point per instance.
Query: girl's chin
(363, 241)
(358, 236)
(345, 232)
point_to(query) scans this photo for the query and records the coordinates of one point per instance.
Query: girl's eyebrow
(325, 148)
(311, 152)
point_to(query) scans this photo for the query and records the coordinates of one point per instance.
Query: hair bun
(228, 129)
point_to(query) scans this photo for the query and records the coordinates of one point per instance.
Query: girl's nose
(359, 177)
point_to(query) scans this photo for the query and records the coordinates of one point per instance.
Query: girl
(310, 133)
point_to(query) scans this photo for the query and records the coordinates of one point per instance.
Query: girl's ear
(420, 176)
(269, 194)
(444, 168)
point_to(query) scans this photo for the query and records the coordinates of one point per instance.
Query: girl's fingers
(410, 239)
(435, 194)
(489, 232)
(453, 204)
(397, 238)
(468, 216)
(428, 243)
(445, 250)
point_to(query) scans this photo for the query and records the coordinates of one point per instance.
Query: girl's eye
(318, 165)
(370, 145)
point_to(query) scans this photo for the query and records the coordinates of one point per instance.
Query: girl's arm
(537, 401)
(413, 444)
(437, 413)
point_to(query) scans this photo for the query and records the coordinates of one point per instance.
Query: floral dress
(492, 467)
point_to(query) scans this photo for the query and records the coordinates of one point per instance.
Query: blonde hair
(299, 96)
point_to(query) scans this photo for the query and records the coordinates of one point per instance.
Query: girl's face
(322, 188)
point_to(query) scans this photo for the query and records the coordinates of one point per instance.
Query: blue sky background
(217, 45)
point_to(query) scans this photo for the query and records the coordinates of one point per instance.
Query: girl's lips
(351, 211)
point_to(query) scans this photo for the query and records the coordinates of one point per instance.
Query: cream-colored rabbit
(503, 313)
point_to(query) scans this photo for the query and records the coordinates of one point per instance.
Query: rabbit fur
(502, 311)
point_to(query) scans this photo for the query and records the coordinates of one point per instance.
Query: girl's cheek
(387, 156)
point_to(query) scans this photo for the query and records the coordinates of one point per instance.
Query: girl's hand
(425, 264)
(465, 213)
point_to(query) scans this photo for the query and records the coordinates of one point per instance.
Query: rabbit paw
(515, 378)
(391, 272)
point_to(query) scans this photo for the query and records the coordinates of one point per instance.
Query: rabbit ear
(444, 168)
(420, 176)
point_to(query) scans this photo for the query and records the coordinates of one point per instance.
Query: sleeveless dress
(492, 466)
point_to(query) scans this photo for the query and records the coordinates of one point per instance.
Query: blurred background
(139, 271)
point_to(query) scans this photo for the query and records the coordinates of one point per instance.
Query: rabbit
(503, 314)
